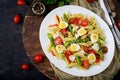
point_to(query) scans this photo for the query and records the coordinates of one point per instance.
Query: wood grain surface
(30, 35)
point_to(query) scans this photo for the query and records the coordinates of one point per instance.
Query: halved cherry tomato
(67, 54)
(85, 22)
(104, 49)
(97, 58)
(73, 21)
(85, 48)
(91, 51)
(79, 21)
(90, 1)
(64, 31)
(85, 64)
(58, 41)
(76, 21)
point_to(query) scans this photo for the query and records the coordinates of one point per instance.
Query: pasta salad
(77, 39)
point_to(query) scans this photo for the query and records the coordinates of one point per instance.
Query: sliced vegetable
(85, 48)
(51, 39)
(76, 21)
(67, 43)
(58, 41)
(85, 22)
(73, 21)
(78, 60)
(58, 19)
(91, 51)
(101, 54)
(79, 21)
(85, 64)
(67, 54)
(53, 25)
(53, 53)
(97, 58)
(65, 17)
(70, 28)
(63, 31)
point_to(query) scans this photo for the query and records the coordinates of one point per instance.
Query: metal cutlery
(112, 25)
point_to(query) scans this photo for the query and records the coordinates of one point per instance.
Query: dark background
(12, 52)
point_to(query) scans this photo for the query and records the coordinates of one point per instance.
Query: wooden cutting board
(30, 35)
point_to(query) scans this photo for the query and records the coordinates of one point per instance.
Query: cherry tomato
(118, 24)
(17, 19)
(76, 21)
(90, 1)
(91, 51)
(104, 49)
(85, 22)
(21, 2)
(38, 58)
(67, 54)
(73, 21)
(79, 21)
(64, 31)
(25, 66)
(85, 64)
(85, 48)
(58, 41)
(97, 58)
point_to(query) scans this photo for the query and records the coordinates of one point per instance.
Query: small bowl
(38, 8)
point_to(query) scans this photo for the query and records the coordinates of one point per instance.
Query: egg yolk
(81, 31)
(92, 57)
(74, 47)
(59, 48)
(63, 25)
(95, 36)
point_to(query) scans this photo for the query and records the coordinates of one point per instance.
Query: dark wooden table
(31, 37)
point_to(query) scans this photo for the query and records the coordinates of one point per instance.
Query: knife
(108, 15)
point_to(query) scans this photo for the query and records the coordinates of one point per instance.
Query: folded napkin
(113, 68)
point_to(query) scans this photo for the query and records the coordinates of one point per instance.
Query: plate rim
(95, 17)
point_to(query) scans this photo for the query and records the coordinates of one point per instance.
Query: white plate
(60, 64)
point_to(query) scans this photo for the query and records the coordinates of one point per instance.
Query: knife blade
(108, 15)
